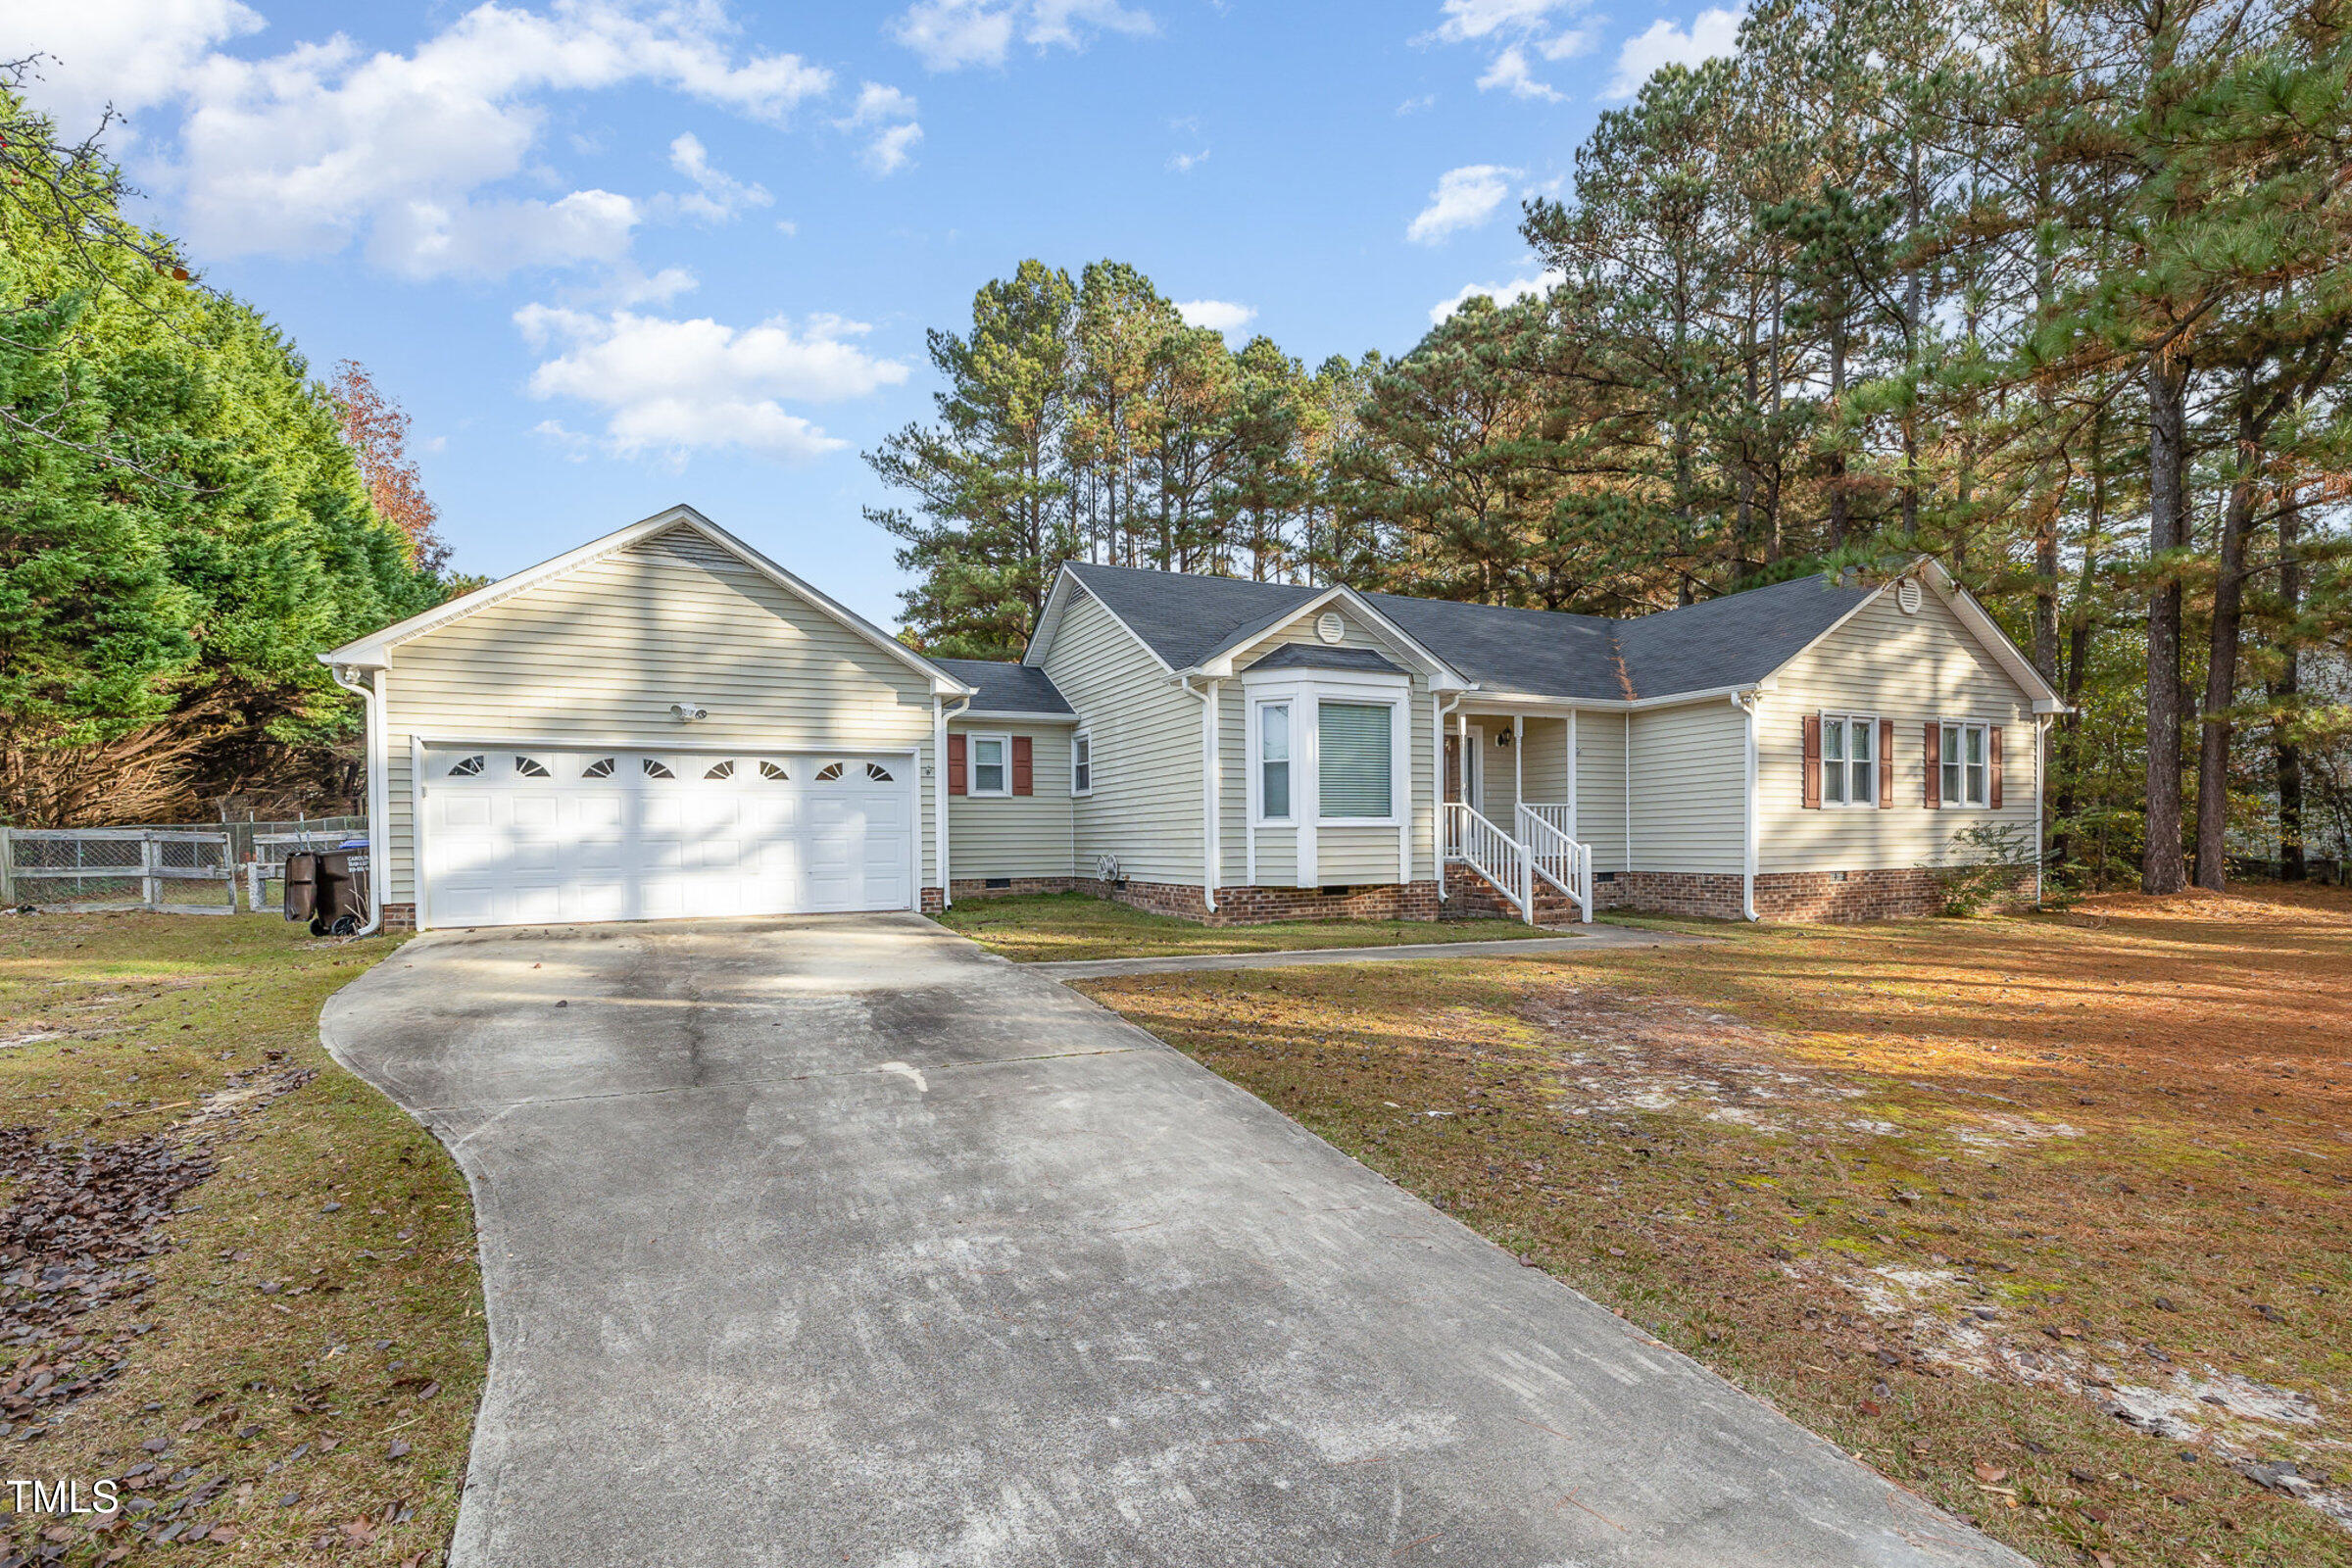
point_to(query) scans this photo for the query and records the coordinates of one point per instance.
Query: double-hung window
(990, 768)
(1352, 760)
(1082, 763)
(1849, 759)
(1965, 766)
(1274, 761)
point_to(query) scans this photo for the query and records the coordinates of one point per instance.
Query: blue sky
(612, 256)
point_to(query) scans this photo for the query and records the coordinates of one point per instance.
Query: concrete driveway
(840, 1239)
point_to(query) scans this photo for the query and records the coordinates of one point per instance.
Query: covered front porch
(1509, 794)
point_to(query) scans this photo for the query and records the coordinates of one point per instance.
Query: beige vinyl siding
(1544, 763)
(1015, 835)
(1690, 784)
(1146, 807)
(1355, 855)
(1356, 862)
(1909, 668)
(1278, 858)
(601, 653)
(1601, 787)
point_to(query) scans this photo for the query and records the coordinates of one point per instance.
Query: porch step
(1472, 896)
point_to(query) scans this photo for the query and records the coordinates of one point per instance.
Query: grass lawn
(287, 1363)
(2048, 1218)
(1034, 928)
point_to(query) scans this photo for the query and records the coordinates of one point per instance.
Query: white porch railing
(1555, 857)
(1494, 853)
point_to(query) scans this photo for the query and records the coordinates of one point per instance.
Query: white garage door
(542, 835)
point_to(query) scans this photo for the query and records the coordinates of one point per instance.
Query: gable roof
(1736, 640)
(371, 651)
(1002, 688)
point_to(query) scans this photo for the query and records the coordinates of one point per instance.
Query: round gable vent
(1330, 627)
(1906, 594)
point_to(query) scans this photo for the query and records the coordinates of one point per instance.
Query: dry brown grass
(2046, 1217)
(319, 1302)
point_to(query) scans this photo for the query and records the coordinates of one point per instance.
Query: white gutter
(939, 791)
(1209, 786)
(379, 784)
(1746, 704)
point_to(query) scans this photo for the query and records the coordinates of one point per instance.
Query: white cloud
(1510, 72)
(1185, 163)
(669, 387)
(1413, 106)
(949, 34)
(1511, 293)
(1469, 21)
(1218, 315)
(132, 55)
(328, 144)
(889, 115)
(1465, 198)
(1512, 27)
(717, 196)
(1713, 32)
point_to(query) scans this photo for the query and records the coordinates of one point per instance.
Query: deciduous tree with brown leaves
(376, 429)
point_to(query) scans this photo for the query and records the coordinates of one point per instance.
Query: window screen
(1354, 764)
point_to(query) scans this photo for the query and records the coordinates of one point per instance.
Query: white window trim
(1255, 751)
(1082, 738)
(971, 765)
(1944, 802)
(1870, 724)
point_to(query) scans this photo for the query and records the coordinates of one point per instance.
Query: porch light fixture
(1502, 737)
(688, 713)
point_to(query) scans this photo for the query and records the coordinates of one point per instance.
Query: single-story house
(664, 723)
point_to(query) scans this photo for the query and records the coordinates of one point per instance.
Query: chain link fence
(174, 870)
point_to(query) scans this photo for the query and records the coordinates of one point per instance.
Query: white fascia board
(1007, 714)
(373, 651)
(1048, 620)
(1442, 677)
(1482, 700)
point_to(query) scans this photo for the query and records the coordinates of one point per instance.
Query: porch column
(1518, 768)
(1573, 831)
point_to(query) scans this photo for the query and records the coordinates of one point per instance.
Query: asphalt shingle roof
(1731, 641)
(1308, 656)
(1006, 688)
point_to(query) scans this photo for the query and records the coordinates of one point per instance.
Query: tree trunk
(1837, 495)
(2286, 756)
(2162, 868)
(2078, 647)
(2220, 668)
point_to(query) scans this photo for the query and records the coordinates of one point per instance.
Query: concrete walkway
(838, 1241)
(1586, 940)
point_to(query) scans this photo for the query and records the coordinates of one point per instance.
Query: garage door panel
(690, 835)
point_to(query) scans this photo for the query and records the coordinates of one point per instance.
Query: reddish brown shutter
(1992, 758)
(1886, 764)
(955, 765)
(1812, 762)
(1935, 756)
(1024, 766)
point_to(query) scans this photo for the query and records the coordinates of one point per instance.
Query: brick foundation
(1888, 894)
(400, 917)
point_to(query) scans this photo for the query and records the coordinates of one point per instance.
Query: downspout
(939, 791)
(2041, 736)
(1442, 706)
(1746, 702)
(1207, 693)
(379, 787)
